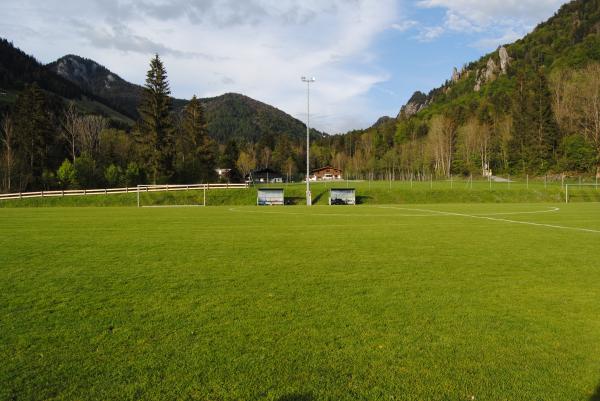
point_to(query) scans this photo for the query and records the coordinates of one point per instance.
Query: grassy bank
(374, 193)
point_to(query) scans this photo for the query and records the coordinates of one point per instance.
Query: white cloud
(404, 25)
(429, 33)
(493, 42)
(256, 47)
(504, 20)
(478, 13)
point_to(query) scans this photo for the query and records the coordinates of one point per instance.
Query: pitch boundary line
(429, 212)
(530, 223)
(170, 206)
(236, 210)
(550, 210)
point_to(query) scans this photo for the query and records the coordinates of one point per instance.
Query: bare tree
(441, 141)
(89, 129)
(576, 103)
(468, 142)
(246, 163)
(588, 102)
(70, 127)
(562, 98)
(504, 127)
(484, 141)
(7, 138)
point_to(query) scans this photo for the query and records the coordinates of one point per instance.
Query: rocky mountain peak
(84, 72)
(504, 59)
(491, 70)
(417, 102)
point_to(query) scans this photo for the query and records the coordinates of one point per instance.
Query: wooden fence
(110, 191)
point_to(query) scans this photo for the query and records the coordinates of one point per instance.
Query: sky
(368, 56)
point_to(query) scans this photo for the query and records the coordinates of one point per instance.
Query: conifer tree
(200, 145)
(547, 132)
(522, 151)
(33, 133)
(229, 158)
(156, 123)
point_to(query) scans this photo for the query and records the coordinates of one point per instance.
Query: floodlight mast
(308, 82)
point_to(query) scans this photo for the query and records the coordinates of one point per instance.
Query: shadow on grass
(294, 200)
(317, 198)
(596, 395)
(296, 397)
(362, 199)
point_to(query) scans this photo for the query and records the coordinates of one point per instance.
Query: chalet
(326, 173)
(265, 175)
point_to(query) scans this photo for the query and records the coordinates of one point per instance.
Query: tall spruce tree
(156, 123)
(229, 158)
(200, 148)
(547, 132)
(33, 128)
(522, 151)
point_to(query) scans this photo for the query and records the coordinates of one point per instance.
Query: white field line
(529, 223)
(429, 213)
(171, 206)
(550, 210)
(232, 209)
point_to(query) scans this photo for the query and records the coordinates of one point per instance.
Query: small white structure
(222, 172)
(487, 171)
(342, 196)
(270, 197)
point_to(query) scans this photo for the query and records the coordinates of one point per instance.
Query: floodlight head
(304, 79)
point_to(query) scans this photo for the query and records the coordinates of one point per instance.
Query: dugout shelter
(270, 197)
(342, 196)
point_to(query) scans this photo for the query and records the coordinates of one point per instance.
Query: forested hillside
(229, 116)
(529, 108)
(76, 124)
(532, 107)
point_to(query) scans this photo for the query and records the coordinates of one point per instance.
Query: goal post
(583, 192)
(183, 195)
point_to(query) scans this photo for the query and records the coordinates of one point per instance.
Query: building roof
(265, 171)
(325, 168)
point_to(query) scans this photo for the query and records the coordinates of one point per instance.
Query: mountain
(18, 69)
(531, 107)
(229, 116)
(95, 78)
(570, 39)
(416, 103)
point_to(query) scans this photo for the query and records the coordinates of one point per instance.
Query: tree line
(529, 122)
(47, 142)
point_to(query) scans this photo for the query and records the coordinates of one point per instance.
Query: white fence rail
(110, 191)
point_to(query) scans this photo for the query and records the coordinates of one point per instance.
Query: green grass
(290, 303)
(369, 193)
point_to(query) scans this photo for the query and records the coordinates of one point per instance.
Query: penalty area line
(170, 206)
(529, 223)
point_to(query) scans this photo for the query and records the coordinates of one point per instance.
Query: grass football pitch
(414, 302)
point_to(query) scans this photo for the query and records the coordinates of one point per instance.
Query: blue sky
(368, 56)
